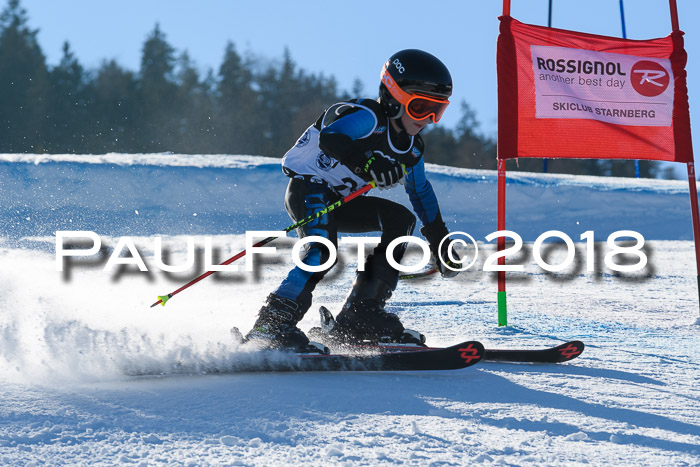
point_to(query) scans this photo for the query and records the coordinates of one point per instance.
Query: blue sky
(349, 40)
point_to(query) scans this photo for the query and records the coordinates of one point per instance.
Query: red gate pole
(674, 15)
(501, 225)
(696, 219)
(692, 184)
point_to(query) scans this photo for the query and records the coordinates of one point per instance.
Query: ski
(558, 354)
(453, 357)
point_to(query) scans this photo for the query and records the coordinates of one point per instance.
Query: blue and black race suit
(327, 162)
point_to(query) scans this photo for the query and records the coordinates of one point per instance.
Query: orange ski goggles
(418, 106)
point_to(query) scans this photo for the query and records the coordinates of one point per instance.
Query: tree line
(248, 106)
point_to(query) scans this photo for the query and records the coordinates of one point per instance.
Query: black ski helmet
(414, 71)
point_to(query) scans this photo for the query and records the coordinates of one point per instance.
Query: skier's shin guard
(363, 315)
(376, 283)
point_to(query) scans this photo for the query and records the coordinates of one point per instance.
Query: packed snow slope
(159, 194)
(72, 340)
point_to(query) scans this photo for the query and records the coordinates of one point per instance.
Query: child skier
(353, 143)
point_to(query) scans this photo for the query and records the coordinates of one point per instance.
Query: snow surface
(70, 340)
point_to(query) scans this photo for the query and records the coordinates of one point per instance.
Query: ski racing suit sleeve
(338, 139)
(425, 204)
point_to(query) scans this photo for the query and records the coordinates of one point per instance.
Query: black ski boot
(363, 317)
(276, 327)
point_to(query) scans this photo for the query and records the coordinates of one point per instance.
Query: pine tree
(462, 147)
(291, 100)
(239, 118)
(23, 83)
(113, 114)
(158, 90)
(193, 110)
(68, 111)
(278, 89)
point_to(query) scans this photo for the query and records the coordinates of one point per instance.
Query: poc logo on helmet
(398, 65)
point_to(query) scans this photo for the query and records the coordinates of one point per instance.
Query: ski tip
(471, 352)
(569, 350)
(559, 354)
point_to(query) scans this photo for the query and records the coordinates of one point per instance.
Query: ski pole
(162, 299)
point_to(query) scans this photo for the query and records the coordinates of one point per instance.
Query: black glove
(384, 170)
(435, 232)
(444, 260)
